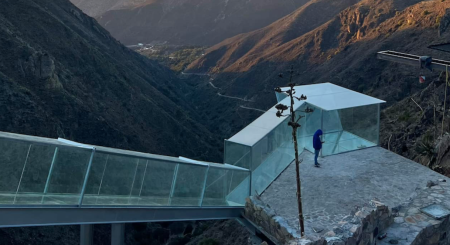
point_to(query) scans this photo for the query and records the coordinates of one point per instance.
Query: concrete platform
(343, 183)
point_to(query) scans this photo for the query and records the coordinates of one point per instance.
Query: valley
(205, 70)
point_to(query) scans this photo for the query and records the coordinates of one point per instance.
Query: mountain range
(186, 22)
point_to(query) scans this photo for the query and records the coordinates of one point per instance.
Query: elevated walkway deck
(60, 182)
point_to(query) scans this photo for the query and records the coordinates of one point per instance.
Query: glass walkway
(42, 172)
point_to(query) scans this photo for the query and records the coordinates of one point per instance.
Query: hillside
(98, 7)
(192, 22)
(341, 51)
(63, 75)
(233, 53)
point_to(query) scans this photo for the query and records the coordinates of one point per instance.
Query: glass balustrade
(40, 171)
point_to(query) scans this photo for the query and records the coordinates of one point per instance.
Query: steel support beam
(86, 235)
(44, 216)
(410, 59)
(117, 234)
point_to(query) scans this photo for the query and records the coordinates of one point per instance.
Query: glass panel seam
(204, 187)
(134, 178)
(50, 172)
(174, 182)
(215, 180)
(86, 177)
(231, 181)
(143, 179)
(101, 180)
(21, 175)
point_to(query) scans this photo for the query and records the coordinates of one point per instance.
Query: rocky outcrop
(361, 227)
(445, 22)
(41, 66)
(264, 216)
(443, 150)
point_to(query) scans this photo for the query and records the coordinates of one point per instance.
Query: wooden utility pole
(293, 122)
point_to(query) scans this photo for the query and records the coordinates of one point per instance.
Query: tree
(293, 123)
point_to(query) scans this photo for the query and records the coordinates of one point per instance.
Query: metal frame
(50, 171)
(86, 235)
(22, 217)
(410, 59)
(61, 143)
(118, 234)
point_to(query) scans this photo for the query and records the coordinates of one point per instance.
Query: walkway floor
(344, 182)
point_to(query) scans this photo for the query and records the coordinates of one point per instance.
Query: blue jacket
(317, 143)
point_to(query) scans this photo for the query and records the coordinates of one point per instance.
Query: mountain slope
(63, 75)
(342, 51)
(98, 7)
(250, 46)
(193, 22)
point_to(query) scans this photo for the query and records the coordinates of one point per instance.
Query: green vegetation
(209, 241)
(177, 58)
(405, 116)
(426, 147)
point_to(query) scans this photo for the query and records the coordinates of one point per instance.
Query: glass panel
(157, 183)
(358, 129)
(138, 181)
(313, 123)
(95, 179)
(271, 155)
(365, 123)
(237, 154)
(35, 173)
(111, 180)
(12, 160)
(239, 188)
(217, 187)
(332, 132)
(301, 132)
(67, 176)
(117, 180)
(188, 186)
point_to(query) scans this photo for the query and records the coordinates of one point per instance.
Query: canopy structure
(348, 119)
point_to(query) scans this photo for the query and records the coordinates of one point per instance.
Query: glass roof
(256, 130)
(326, 96)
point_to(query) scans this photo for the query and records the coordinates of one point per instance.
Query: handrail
(410, 59)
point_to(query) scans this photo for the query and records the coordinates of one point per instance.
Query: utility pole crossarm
(410, 59)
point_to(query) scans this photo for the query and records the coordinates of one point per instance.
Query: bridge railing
(39, 171)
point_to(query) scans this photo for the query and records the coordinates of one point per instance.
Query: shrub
(405, 116)
(425, 12)
(208, 241)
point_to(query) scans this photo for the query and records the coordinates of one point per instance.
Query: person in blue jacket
(317, 144)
